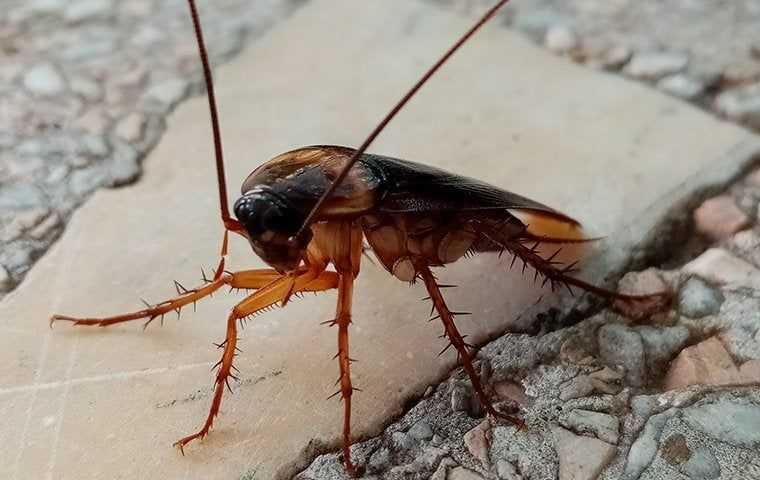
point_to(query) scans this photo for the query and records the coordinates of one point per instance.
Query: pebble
(42, 230)
(706, 363)
(661, 345)
(604, 427)
(511, 391)
(644, 448)
(443, 468)
(421, 431)
(461, 473)
(167, 93)
(697, 299)
(741, 104)
(577, 387)
(719, 267)
(478, 441)
(380, 460)
(6, 282)
(750, 371)
(44, 79)
(507, 471)
(580, 458)
(682, 86)
(95, 145)
(80, 10)
(616, 57)
(402, 441)
(641, 283)
(131, 127)
(719, 217)
(655, 65)
(607, 380)
(124, 167)
(619, 345)
(462, 399)
(701, 465)
(560, 39)
(87, 88)
(734, 421)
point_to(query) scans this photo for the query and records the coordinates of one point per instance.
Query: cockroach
(314, 207)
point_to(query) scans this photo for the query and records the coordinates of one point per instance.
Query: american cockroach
(315, 207)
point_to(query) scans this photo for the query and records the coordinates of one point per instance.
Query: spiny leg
(248, 279)
(451, 332)
(267, 295)
(343, 320)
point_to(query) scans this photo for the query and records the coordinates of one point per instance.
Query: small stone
(42, 230)
(167, 93)
(478, 441)
(682, 86)
(702, 465)
(506, 471)
(719, 217)
(750, 371)
(462, 399)
(124, 167)
(78, 11)
(421, 430)
(734, 421)
(675, 450)
(511, 391)
(720, 267)
(603, 426)
(580, 458)
(697, 299)
(661, 344)
(402, 441)
(380, 460)
(616, 57)
(646, 282)
(443, 467)
(575, 349)
(86, 88)
(560, 39)
(706, 363)
(607, 380)
(622, 346)
(741, 104)
(6, 282)
(28, 219)
(577, 387)
(94, 121)
(44, 79)
(655, 65)
(131, 127)
(21, 196)
(461, 473)
(95, 145)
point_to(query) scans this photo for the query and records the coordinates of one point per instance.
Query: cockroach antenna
(218, 151)
(397, 108)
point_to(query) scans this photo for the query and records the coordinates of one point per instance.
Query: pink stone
(478, 440)
(511, 391)
(707, 363)
(580, 457)
(719, 217)
(750, 371)
(646, 282)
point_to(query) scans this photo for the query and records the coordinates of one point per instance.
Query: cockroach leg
(267, 295)
(456, 339)
(313, 281)
(343, 320)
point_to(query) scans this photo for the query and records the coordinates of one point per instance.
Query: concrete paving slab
(105, 403)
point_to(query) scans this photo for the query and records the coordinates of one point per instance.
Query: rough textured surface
(85, 89)
(72, 391)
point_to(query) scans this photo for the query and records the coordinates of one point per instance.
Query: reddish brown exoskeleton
(314, 207)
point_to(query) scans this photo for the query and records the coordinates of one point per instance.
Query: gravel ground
(85, 89)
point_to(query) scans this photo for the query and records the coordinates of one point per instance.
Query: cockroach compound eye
(308, 212)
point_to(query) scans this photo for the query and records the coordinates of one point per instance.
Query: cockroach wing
(411, 187)
(301, 176)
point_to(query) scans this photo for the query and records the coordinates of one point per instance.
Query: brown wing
(411, 187)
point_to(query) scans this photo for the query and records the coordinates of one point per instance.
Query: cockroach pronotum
(314, 207)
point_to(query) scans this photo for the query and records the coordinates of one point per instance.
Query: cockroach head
(273, 225)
